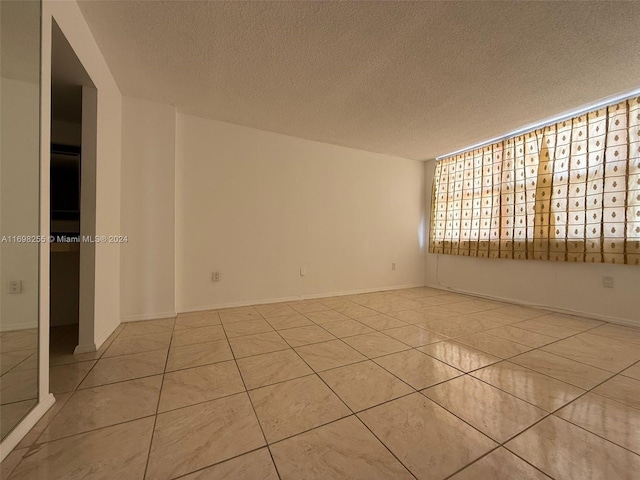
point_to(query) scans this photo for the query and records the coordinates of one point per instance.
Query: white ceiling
(413, 79)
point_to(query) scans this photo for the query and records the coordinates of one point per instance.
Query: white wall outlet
(215, 277)
(303, 271)
(394, 266)
(15, 286)
(607, 282)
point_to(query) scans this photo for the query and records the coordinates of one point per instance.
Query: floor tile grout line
(155, 417)
(253, 408)
(515, 323)
(350, 409)
(71, 392)
(201, 469)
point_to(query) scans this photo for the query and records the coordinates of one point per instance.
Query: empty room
(286, 240)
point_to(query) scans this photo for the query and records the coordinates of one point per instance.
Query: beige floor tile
(431, 442)
(325, 316)
(19, 386)
(562, 450)
(18, 342)
(125, 367)
(147, 327)
(569, 371)
(240, 314)
(138, 344)
(501, 318)
(421, 315)
(307, 306)
(382, 322)
(519, 311)
(191, 336)
(357, 311)
(618, 332)
(11, 462)
(197, 320)
(188, 356)
(500, 464)
(250, 466)
(494, 412)
(335, 303)
(519, 335)
(65, 378)
(342, 449)
(493, 345)
(294, 406)
(458, 326)
(103, 406)
(12, 413)
(257, 344)
(347, 328)
(623, 389)
(195, 437)
(633, 371)
(597, 351)
(296, 337)
(365, 384)
(199, 384)
(417, 369)
(533, 387)
(460, 356)
(29, 363)
(414, 336)
(375, 344)
(262, 370)
(394, 306)
(289, 321)
(548, 327)
(275, 310)
(31, 437)
(326, 355)
(571, 321)
(119, 451)
(11, 359)
(250, 327)
(607, 418)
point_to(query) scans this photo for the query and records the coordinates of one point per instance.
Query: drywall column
(86, 308)
(147, 261)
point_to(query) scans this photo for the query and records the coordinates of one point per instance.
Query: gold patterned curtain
(566, 192)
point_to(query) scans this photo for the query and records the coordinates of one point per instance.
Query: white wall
(147, 261)
(257, 206)
(19, 150)
(108, 159)
(575, 287)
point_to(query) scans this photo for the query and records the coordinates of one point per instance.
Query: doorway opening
(72, 209)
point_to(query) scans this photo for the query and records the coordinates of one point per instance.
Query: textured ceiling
(413, 79)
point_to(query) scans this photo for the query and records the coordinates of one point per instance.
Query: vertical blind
(566, 192)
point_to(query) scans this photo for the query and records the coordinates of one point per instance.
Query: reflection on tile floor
(415, 383)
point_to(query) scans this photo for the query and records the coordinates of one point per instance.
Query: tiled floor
(412, 383)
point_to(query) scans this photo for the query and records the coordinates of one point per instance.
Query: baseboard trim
(550, 308)
(148, 316)
(27, 423)
(89, 347)
(104, 335)
(248, 303)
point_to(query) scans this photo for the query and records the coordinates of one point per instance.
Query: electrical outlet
(393, 265)
(607, 282)
(303, 271)
(15, 286)
(215, 277)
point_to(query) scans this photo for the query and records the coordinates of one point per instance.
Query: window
(566, 192)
